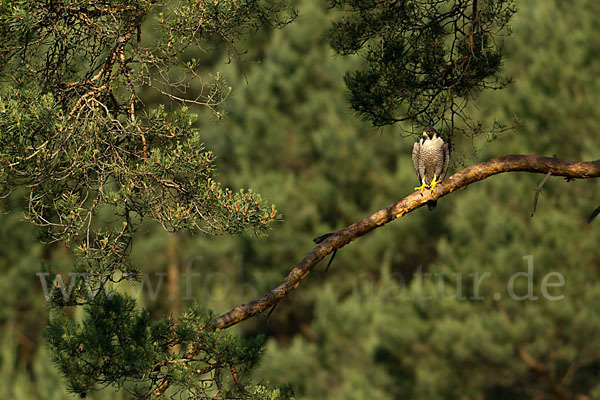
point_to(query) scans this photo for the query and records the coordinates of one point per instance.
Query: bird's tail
(431, 204)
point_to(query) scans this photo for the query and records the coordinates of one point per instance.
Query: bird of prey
(431, 158)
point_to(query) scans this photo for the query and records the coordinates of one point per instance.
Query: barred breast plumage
(431, 159)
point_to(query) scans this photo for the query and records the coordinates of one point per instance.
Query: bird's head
(429, 133)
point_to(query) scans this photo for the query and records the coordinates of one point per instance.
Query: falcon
(431, 158)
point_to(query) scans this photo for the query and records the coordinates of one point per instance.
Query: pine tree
(423, 61)
(75, 134)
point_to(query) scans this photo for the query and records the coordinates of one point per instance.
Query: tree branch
(460, 180)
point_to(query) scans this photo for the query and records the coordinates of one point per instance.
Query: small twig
(538, 190)
(594, 214)
(234, 374)
(217, 379)
(320, 239)
(271, 311)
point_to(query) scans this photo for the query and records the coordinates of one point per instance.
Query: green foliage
(116, 344)
(422, 60)
(97, 163)
(73, 130)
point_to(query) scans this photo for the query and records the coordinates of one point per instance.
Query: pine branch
(460, 180)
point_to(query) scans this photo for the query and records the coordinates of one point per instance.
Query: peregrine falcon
(431, 158)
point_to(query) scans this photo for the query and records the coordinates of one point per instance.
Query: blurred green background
(397, 316)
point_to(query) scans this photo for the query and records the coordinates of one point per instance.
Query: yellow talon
(422, 187)
(433, 183)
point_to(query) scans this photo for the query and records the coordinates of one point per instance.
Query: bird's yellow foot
(433, 183)
(422, 187)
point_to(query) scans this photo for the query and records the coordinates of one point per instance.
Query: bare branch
(460, 180)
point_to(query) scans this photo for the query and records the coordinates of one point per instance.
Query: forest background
(385, 321)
